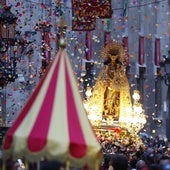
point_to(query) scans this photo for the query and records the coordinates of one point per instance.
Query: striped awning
(53, 124)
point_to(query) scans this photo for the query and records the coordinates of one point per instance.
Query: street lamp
(7, 39)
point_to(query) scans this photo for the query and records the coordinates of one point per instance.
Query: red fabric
(145, 168)
(107, 37)
(85, 12)
(141, 50)
(88, 52)
(80, 22)
(78, 147)
(157, 51)
(39, 133)
(34, 128)
(100, 9)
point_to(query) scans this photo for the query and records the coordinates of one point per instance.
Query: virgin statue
(110, 99)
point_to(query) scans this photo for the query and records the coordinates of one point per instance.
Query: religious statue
(111, 94)
(116, 121)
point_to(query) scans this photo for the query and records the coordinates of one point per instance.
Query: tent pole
(26, 165)
(67, 165)
(3, 164)
(97, 165)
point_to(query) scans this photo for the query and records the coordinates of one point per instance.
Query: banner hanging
(85, 13)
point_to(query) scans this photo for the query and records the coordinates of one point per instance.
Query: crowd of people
(155, 155)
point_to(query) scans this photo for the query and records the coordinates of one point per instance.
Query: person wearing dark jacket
(118, 162)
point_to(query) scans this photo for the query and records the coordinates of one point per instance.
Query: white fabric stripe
(58, 135)
(57, 146)
(91, 141)
(20, 136)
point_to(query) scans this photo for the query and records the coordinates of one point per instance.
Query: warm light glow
(128, 109)
(137, 109)
(132, 117)
(88, 92)
(93, 113)
(136, 95)
(135, 118)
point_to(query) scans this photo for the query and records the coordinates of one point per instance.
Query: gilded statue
(111, 93)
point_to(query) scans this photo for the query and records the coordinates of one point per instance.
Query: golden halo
(116, 50)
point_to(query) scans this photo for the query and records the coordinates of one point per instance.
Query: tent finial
(62, 43)
(67, 165)
(62, 32)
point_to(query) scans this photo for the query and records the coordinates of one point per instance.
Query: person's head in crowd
(164, 160)
(106, 161)
(133, 160)
(158, 157)
(140, 165)
(154, 167)
(149, 156)
(118, 162)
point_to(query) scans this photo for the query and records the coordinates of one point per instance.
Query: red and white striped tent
(53, 124)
